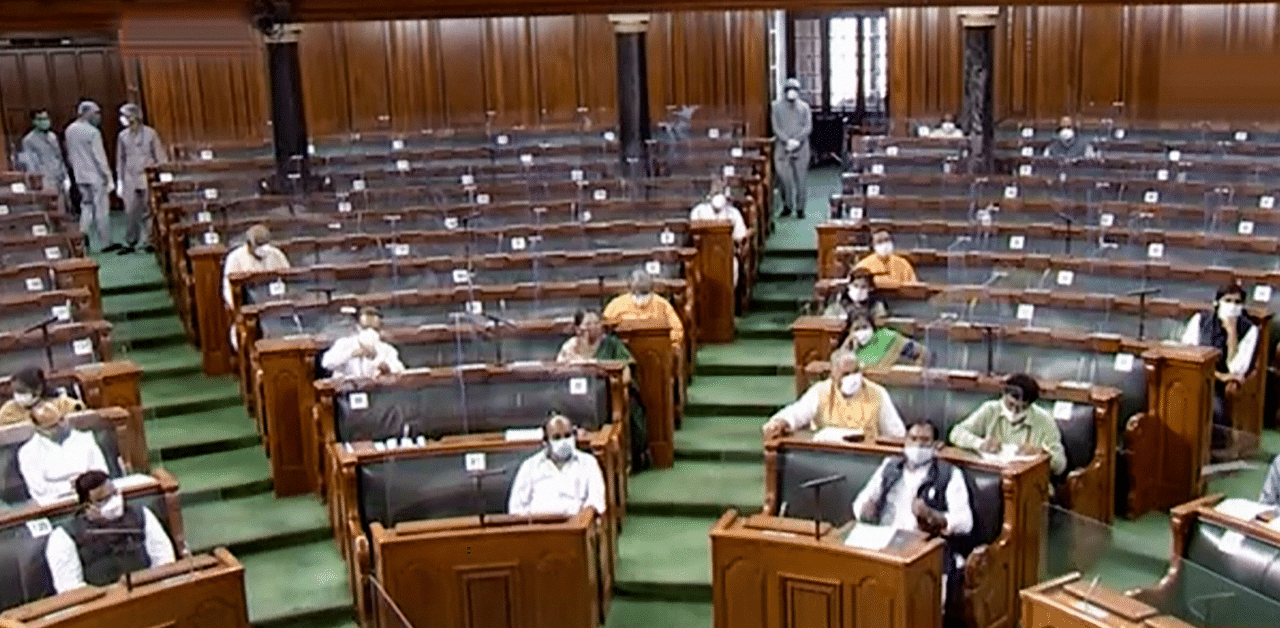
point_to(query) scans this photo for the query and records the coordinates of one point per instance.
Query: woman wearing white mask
(858, 295)
(1228, 329)
(844, 400)
(878, 347)
(257, 254)
(363, 354)
(1016, 421)
(29, 388)
(560, 479)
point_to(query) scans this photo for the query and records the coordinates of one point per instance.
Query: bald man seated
(560, 479)
(845, 400)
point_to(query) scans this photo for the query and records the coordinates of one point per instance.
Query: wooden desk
(512, 572)
(770, 572)
(1059, 603)
(205, 590)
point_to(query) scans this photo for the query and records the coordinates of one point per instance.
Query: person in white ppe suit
(792, 124)
(137, 148)
(88, 160)
(42, 154)
(363, 354)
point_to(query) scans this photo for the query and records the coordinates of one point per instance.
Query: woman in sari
(591, 342)
(878, 347)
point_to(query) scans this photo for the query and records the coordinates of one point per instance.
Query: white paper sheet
(867, 536)
(1008, 453)
(834, 434)
(1245, 509)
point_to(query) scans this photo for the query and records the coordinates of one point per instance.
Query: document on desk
(834, 434)
(1245, 509)
(1008, 453)
(871, 537)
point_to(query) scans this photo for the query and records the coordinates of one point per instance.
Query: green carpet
(197, 429)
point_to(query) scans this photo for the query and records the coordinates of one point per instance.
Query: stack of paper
(871, 537)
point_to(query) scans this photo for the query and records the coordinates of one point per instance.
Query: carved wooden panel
(810, 602)
(489, 596)
(744, 574)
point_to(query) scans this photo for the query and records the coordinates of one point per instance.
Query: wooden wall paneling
(462, 52)
(57, 78)
(417, 101)
(755, 89)
(365, 53)
(597, 69)
(662, 80)
(1100, 40)
(324, 83)
(557, 80)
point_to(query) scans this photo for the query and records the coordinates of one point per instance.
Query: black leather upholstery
(24, 573)
(799, 465)
(453, 408)
(1234, 583)
(434, 487)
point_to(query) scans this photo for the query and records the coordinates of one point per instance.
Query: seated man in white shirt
(257, 254)
(106, 539)
(845, 400)
(363, 354)
(1228, 329)
(947, 129)
(560, 479)
(717, 208)
(55, 455)
(919, 492)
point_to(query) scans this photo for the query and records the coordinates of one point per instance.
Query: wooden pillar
(288, 422)
(714, 294)
(979, 71)
(828, 240)
(650, 344)
(1168, 444)
(213, 320)
(633, 91)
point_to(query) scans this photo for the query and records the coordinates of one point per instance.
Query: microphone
(996, 275)
(477, 480)
(819, 482)
(1142, 294)
(43, 326)
(816, 484)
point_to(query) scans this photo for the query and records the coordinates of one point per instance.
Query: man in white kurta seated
(560, 479)
(916, 491)
(845, 400)
(363, 354)
(257, 254)
(106, 539)
(1228, 329)
(55, 455)
(717, 208)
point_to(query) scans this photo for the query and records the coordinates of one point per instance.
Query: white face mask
(1230, 310)
(642, 299)
(948, 126)
(857, 293)
(368, 337)
(884, 249)
(793, 94)
(113, 508)
(1067, 134)
(561, 448)
(24, 399)
(261, 250)
(124, 122)
(862, 336)
(850, 384)
(719, 201)
(918, 456)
